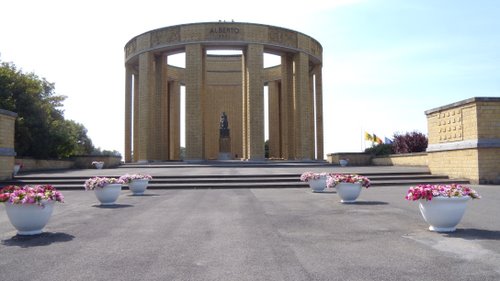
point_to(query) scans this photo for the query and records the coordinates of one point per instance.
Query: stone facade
(215, 84)
(7, 152)
(464, 140)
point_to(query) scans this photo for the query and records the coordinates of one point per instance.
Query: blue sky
(385, 61)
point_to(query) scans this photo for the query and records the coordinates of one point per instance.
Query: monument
(224, 139)
(233, 84)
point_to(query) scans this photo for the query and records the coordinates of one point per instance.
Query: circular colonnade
(233, 84)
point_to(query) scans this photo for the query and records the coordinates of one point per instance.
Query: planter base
(442, 229)
(33, 232)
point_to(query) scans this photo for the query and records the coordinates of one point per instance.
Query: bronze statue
(223, 121)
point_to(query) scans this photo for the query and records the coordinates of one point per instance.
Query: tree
(409, 142)
(41, 130)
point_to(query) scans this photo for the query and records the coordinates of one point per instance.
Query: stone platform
(253, 234)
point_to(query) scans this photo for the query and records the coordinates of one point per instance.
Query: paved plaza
(253, 234)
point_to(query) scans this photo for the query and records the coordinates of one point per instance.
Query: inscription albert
(223, 32)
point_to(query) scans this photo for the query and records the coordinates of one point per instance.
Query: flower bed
(100, 182)
(307, 176)
(428, 191)
(335, 179)
(39, 194)
(128, 178)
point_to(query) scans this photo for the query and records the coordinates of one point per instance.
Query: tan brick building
(7, 152)
(464, 139)
(233, 84)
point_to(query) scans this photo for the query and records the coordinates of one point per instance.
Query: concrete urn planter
(29, 219)
(108, 194)
(138, 186)
(443, 213)
(348, 192)
(317, 185)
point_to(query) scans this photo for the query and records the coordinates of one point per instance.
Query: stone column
(135, 118)
(274, 119)
(174, 95)
(146, 91)
(319, 113)
(253, 102)
(156, 111)
(160, 119)
(128, 114)
(287, 108)
(195, 88)
(303, 105)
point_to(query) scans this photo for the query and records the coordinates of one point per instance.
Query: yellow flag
(368, 137)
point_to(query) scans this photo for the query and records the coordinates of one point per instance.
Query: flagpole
(362, 138)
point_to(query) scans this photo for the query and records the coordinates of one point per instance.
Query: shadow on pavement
(115, 206)
(367, 203)
(144, 195)
(475, 234)
(42, 239)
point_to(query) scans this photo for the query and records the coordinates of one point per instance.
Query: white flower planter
(108, 194)
(138, 186)
(443, 213)
(343, 162)
(99, 165)
(16, 169)
(348, 192)
(317, 185)
(29, 219)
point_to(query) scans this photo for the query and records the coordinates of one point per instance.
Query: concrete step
(236, 181)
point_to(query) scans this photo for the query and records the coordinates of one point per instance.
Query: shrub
(409, 142)
(380, 149)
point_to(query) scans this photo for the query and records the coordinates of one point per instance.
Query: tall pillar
(160, 112)
(174, 94)
(156, 130)
(195, 88)
(128, 114)
(253, 102)
(312, 120)
(135, 142)
(287, 106)
(319, 113)
(146, 90)
(303, 113)
(274, 119)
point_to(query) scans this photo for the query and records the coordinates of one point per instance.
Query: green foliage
(380, 149)
(41, 130)
(98, 151)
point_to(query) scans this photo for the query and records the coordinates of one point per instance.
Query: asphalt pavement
(253, 234)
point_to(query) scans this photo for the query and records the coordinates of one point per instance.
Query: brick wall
(7, 153)
(464, 140)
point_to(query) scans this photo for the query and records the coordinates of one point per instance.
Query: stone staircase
(218, 181)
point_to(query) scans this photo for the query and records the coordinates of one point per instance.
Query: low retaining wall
(409, 159)
(7, 152)
(79, 162)
(30, 164)
(85, 161)
(354, 158)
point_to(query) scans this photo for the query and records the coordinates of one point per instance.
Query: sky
(385, 62)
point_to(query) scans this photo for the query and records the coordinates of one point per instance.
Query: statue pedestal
(224, 145)
(224, 156)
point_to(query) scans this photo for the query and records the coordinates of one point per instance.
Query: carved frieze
(450, 126)
(165, 36)
(131, 47)
(281, 36)
(224, 32)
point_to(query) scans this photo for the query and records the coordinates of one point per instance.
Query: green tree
(41, 130)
